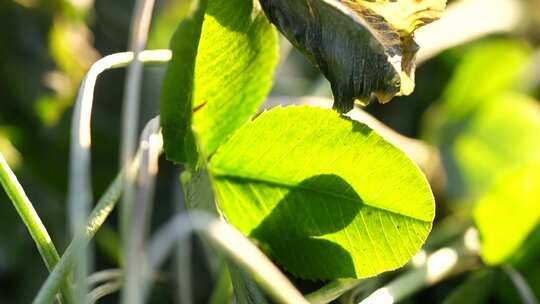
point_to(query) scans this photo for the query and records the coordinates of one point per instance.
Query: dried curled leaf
(364, 48)
(403, 15)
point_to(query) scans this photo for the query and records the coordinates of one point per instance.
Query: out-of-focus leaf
(364, 48)
(326, 196)
(475, 290)
(480, 129)
(70, 44)
(224, 84)
(488, 69)
(500, 135)
(508, 213)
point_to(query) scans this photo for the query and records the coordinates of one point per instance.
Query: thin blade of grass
(98, 216)
(33, 223)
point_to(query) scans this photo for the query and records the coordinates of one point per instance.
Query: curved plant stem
(332, 291)
(33, 223)
(104, 290)
(80, 186)
(81, 123)
(233, 243)
(103, 276)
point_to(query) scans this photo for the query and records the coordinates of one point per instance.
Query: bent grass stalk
(33, 223)
(224, 236)
(104, 290)
(80, 186)
(232, 242)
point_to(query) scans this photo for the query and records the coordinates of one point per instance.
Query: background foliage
(477, 103)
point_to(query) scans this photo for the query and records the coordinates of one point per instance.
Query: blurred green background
(478, 103)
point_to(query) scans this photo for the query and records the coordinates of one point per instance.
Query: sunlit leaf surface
(325, 196)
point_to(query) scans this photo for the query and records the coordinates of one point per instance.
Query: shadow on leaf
(318, 206)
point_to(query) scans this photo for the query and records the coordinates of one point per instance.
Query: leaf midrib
(221, 173)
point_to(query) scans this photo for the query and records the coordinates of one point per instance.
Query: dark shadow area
(359, 127)
(310, 210)
(529, 251)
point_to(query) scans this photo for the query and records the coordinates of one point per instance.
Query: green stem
(33, 223)
(332, 291)
(98, 216)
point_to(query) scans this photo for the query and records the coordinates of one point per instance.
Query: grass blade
(98, 216)
(33, 223)
(80, 186)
